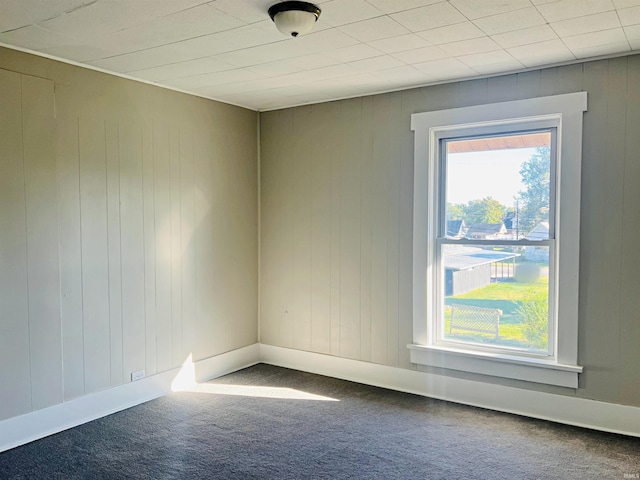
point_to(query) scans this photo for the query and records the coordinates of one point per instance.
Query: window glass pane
(498, 188)
(496, 296)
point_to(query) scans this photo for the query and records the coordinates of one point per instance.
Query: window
(496, 238)
(493, 277)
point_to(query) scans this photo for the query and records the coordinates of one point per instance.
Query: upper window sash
(549, 124)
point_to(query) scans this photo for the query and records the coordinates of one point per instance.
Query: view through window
(495, 235)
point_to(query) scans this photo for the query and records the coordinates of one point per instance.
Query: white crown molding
(283, 106)
(118, 74)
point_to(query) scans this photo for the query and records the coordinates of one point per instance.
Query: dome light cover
(294, 18)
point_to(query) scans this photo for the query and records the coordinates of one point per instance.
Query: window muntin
(495, 230)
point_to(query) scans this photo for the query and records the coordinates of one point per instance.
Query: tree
(535, 320)
(487, 210)
(455, 211)
(534, 201)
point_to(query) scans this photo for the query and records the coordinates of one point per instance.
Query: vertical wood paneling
(548, 81)
(374, 198)
(15, 384)
(85, 213)
(387, 192)
(276, 234)
(595, 209)
(95, 258)
(148, 177)
(502, 89)
(528, 84)
(471, 92)
(70, 253)
(629, 278)
(336, 207)
(206, 312)
(176, 247)
(220, 277)
(569, 79)
(393, 246)
(439, 97)
(286, 201)
(113, 242)
(379, 228)
(270, 227)
(242, 191)
(280, 236)
(351, 152)
(302, 239)
(613, 135)
(163, 252)
(132, 247)
(189, 225)
(365, 229)
(321, 230)
(102, 248)
(45, 332)
(405, 261)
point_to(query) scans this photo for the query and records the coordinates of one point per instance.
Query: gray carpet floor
(368, 432)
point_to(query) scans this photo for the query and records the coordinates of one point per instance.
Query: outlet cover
(139, 375)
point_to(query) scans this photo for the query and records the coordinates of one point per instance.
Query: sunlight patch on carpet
(256, 391)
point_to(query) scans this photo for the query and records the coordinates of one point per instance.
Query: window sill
(497, 365)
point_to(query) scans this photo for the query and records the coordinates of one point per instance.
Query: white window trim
(562, 369)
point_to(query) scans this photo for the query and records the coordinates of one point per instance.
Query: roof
(486, 229)
(454, 227)
(541, 232)
(465, 258)
(502, 142)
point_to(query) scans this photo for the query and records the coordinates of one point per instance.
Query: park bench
(475, 319)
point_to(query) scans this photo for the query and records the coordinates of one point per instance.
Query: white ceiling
(230, 50)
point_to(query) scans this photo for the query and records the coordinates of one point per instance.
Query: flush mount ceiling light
(294, 18)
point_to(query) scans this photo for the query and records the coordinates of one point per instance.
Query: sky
(472, 175)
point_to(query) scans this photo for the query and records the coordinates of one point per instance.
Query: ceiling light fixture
(294, 18)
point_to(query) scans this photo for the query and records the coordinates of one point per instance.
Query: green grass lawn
(505, 296)
(512, 291)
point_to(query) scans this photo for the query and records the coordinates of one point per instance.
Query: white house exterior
(538, 254)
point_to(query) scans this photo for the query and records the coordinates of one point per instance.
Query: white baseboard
(41, 423)
(569, 410)
(557, 408)
(232, 361)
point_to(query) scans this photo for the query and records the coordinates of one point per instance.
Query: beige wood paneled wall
(336, 229)
(336, 242)
(128, 231)
(31, 376)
